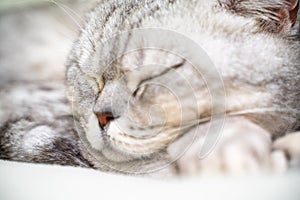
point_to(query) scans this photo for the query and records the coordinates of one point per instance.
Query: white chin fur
(93, 134)
(95, 139)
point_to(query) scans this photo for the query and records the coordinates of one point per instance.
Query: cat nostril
(104, 118)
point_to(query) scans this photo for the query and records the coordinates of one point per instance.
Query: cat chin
(98, 141)
(115, 155)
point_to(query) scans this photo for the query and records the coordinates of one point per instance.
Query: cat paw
(290, 145)
(242, 147)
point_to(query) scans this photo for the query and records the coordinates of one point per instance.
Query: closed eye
(141, 88)
(101, 83)
(97, 84)
(139, 91)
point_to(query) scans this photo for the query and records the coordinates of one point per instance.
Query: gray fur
(257, 54)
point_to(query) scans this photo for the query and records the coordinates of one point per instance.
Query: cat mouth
(132, 143)
(120, 141)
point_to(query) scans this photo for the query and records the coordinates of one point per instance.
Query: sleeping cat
(171, 87)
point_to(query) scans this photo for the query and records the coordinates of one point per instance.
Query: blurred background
(35, 39)
(36, 36)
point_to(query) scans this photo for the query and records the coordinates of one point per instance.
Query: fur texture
(253, 44)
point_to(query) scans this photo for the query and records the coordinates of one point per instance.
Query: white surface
(42, 182)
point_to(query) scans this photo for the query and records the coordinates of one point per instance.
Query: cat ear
(293, 9)
(287, 15)
(275, 16)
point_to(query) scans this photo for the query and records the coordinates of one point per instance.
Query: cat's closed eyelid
(138, 93)
(142, 85)
(162, 73)
(97, 84)
(101, 83)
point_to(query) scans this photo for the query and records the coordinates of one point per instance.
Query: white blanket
(19, 181)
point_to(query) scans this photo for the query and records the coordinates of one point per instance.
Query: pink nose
(104, 118)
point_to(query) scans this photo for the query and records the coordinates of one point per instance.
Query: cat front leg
(242, 147)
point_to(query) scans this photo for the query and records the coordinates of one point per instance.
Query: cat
(124, 117)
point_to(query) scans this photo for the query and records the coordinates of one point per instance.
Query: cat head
(144, 98)
(134, 102)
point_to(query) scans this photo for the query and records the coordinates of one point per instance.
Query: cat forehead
(120, 59)
(148, 58)
(205, 26)
(140, 64)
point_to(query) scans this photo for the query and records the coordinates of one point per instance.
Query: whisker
(261, 110)
(64, 8)
(73, 11)
(237, 113)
